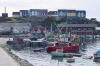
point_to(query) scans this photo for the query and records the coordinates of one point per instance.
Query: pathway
(5, 58)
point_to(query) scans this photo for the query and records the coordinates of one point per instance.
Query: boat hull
(68, 49)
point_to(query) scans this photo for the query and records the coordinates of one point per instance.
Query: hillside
(47, 21)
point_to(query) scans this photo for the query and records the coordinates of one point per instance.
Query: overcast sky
(92, 7)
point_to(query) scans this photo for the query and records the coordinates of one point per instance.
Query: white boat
(59, 52)
(70, 60)
(97, 56)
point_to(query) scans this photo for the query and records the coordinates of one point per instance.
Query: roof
(23, 10)
(14, 24)
(42, 10)
(52, 13)
(65, 10)
(77, 25)
(16, 12)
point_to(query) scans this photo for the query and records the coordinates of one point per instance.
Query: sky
(92, 7)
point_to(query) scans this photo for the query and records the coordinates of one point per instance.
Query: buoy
(88, 57)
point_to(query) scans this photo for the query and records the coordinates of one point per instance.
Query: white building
(17, 27)
(38, 12)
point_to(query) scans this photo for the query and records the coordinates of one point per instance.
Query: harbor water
(45, 59)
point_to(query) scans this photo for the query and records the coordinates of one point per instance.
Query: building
(78, 29)
(52, 13)
(4, 15)
(71, 13)
(67, 13)
(81, 14)
(16, 14)
(17, 27)
(38, 12)
(24, 13)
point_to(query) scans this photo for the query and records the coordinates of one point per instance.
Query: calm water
(45, 59)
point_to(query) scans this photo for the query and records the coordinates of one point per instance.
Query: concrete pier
(5, 58)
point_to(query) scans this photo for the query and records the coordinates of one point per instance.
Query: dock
(5, 58)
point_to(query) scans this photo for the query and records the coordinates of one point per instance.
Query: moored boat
(97, 56)
(67, 47)
(70, 60)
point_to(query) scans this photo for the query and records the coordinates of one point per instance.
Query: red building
(78, 29)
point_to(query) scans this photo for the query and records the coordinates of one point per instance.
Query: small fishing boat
(39, 50)
(65, 40)
(70, 60)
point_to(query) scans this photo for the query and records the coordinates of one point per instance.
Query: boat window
(61, 44)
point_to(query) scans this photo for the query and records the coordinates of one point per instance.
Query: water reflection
(60, 59)
(45, 59)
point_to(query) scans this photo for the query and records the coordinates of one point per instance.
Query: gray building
(24, 13)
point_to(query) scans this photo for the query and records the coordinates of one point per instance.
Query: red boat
(66, 47)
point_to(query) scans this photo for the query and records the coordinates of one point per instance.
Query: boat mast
(60, 32)
(66, 33)
(51, 27)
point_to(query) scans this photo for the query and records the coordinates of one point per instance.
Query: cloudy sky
(92, 7)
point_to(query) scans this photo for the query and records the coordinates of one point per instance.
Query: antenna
(5, 9)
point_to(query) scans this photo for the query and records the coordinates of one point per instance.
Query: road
(5, 58)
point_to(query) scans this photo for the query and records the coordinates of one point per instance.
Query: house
(52, 13)
(16, 14)
(4, 15)
(71, 13)
(81, 13)
(38, 12)
(24, 13)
